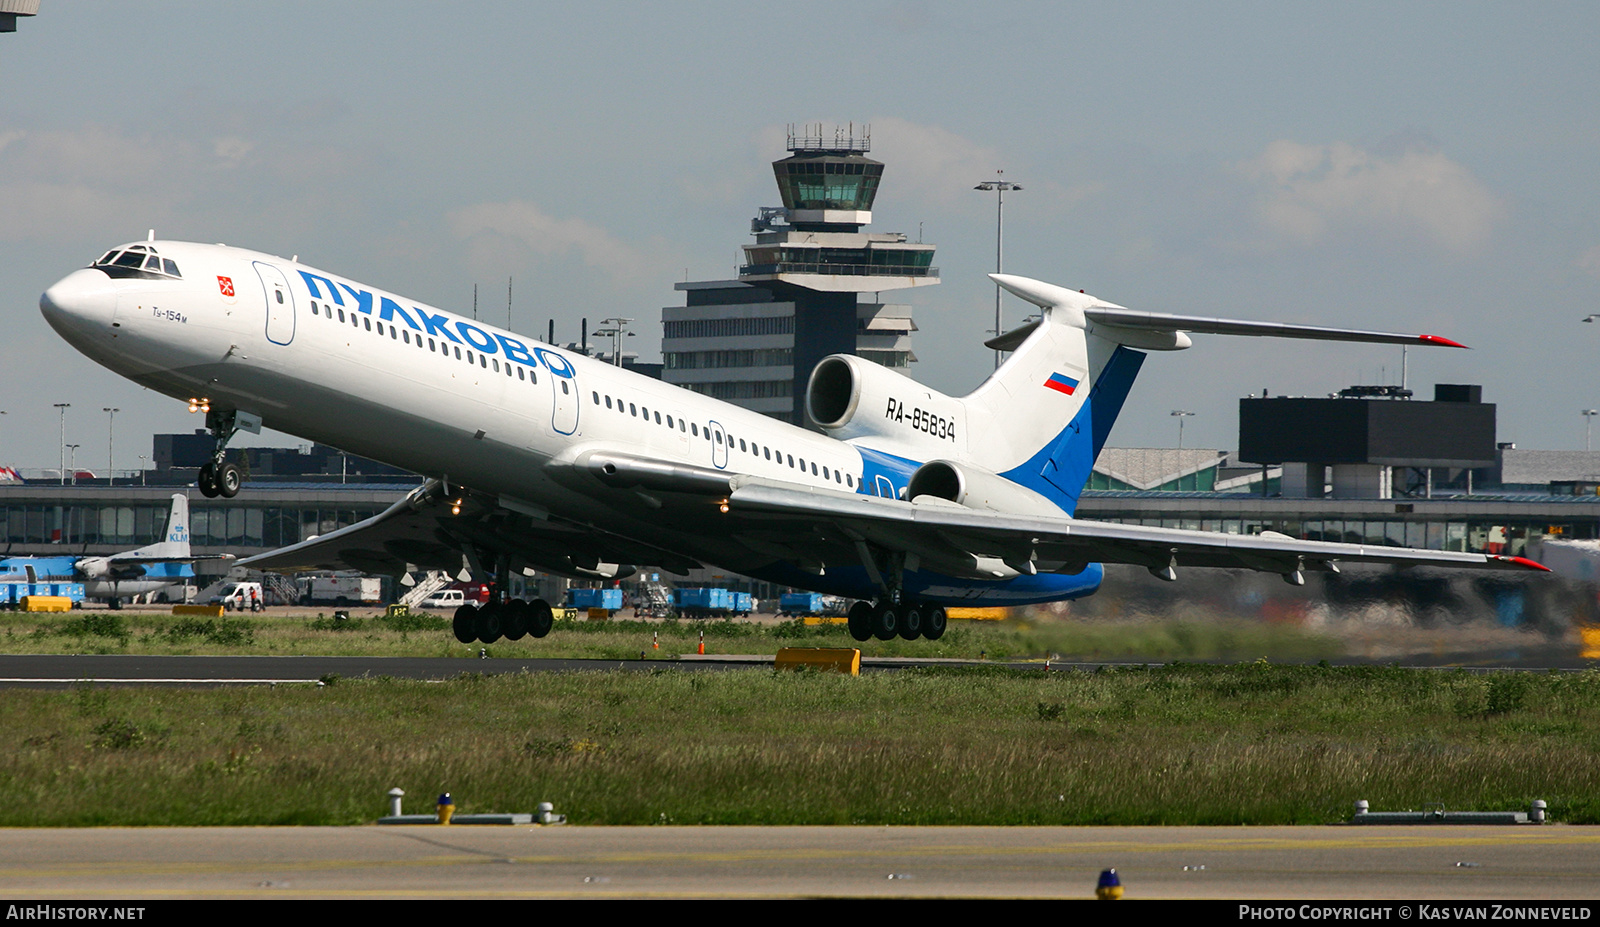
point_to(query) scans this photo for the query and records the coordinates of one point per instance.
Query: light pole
(999, 187)
(1588, 425)
(619, 327)
(74, 464)
(1180, 415)
(141, 470)
(111, 434)
(61, 464)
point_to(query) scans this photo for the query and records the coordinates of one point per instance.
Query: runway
(1541, 864)
(58, 670)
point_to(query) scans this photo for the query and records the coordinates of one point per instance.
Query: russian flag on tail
(1061, 383)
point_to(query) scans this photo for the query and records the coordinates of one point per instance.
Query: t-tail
(1041, 419)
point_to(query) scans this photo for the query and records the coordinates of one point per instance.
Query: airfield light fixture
(999, 188)
(1180, 415)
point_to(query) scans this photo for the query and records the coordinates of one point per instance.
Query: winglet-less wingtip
(1442, 342)
(1525, 562)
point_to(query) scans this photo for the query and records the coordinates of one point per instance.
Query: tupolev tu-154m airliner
(538, 458)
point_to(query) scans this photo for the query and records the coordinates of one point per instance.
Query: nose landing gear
(221, 477)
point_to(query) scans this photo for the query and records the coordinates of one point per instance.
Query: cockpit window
(139, 261)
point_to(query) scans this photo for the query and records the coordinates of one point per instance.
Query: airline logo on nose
(1061, 383)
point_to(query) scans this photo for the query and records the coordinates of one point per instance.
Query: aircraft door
(280, 303)
(564, 390)
(719, 445)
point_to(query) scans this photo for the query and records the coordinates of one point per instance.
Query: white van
(451, 599)
(241, 597)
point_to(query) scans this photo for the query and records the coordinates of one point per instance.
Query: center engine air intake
(851, 397)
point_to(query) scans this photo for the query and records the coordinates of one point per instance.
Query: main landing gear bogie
(885, 621)
(513, 619)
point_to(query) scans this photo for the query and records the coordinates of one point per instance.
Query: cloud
(1589, 261)
(933, 163)
(93, 181)
(496, 232)
(231, 151)
(1306, 193)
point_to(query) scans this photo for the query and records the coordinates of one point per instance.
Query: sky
(1424, 167)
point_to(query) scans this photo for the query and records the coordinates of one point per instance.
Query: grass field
(429, 636)
(1251, 743)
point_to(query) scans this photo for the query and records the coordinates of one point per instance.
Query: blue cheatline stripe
(892, 468)
(1059, 470)
(925, 586)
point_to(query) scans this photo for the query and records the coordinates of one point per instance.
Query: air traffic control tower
(808, 288)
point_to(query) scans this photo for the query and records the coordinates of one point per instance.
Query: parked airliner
(538, 458)
(149, 569)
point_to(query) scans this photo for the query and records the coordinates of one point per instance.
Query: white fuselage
(319, 356)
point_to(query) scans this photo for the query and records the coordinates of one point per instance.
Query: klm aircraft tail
(175, 543)
(1042, 418)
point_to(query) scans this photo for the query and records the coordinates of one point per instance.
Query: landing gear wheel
(911, 620)
(860, 621)
(885, 621)
(463, 624)
(933, 623)
(207, 478)
(229, 479)
(540, 618)
(488, 623)
(514, 620)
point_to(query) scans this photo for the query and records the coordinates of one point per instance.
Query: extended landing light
(200, 405)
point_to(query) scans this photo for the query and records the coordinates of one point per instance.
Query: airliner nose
(83, 297)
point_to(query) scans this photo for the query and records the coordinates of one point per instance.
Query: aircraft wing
(983, 544)
(430, 529)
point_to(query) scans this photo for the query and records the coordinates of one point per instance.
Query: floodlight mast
(999, 187)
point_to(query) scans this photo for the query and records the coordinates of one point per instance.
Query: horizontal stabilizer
(1048, 296)
(1163, 322)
